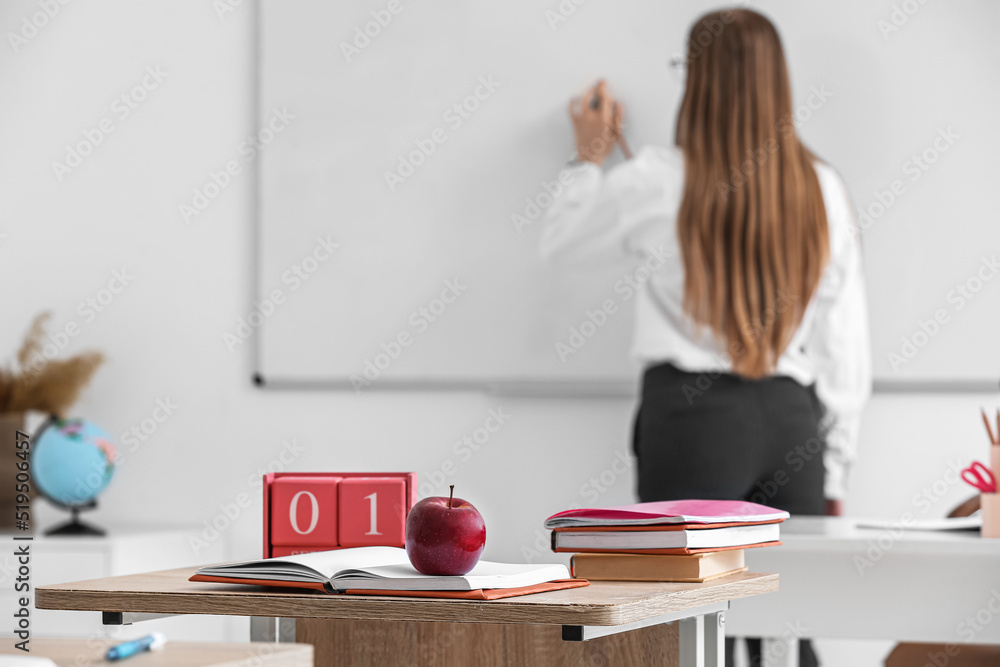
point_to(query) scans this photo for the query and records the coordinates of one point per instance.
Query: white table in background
(126, 549)
(843, 582)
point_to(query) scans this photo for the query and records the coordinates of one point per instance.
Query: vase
(10, 424)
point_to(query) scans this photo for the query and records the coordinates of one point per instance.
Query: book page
(316, 566)
(331, 563)
(484, 575)
(482, 569)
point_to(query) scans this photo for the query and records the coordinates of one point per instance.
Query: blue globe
(72, 461)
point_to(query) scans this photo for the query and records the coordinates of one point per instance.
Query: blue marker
(153, 642)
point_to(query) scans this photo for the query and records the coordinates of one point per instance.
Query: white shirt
(631, 210)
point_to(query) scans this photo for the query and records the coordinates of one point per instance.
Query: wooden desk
(628, 621)
(77, 652)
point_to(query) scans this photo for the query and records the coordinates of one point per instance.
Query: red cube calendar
(372, 512)
(311, 511)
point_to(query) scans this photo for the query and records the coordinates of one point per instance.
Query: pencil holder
(995, 459)
(991, 514)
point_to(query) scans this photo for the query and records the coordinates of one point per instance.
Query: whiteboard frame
(585, 388)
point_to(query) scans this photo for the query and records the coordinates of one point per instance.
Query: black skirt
(721, 436)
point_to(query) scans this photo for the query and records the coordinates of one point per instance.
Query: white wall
(62, 241)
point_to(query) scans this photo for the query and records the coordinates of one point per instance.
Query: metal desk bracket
(129, 617)
(582, 633)
(270, 629)
(702, 632)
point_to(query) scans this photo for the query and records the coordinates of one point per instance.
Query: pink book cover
(668, 511)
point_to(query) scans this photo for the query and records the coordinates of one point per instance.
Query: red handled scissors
(979, 476)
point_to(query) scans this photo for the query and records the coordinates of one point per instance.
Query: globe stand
(74, 526)
(70, 429)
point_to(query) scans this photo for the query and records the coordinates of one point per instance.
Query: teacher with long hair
(754, 335)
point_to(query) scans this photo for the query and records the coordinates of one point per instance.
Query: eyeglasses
(678, 67)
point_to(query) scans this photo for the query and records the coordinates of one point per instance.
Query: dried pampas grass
(43, 384)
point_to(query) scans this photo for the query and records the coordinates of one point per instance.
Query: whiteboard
(414, 147)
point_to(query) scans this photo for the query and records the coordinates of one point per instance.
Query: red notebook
(668, 512)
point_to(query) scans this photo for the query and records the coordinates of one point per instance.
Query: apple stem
(451, 495)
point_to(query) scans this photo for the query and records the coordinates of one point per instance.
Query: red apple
(444, 536)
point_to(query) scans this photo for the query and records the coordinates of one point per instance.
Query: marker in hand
(151, 642)
(595, 104)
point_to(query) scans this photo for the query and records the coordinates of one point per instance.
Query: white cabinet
(124, 550)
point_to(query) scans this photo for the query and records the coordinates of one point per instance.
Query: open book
(374, 569)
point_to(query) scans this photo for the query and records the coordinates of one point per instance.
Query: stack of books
(676, 540)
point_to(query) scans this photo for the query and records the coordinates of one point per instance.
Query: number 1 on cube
(373, 497)
(369, 514)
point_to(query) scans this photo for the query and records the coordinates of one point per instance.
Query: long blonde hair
(752, 224)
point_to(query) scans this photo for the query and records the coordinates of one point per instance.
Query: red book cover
(666, 512)
(660, 527)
